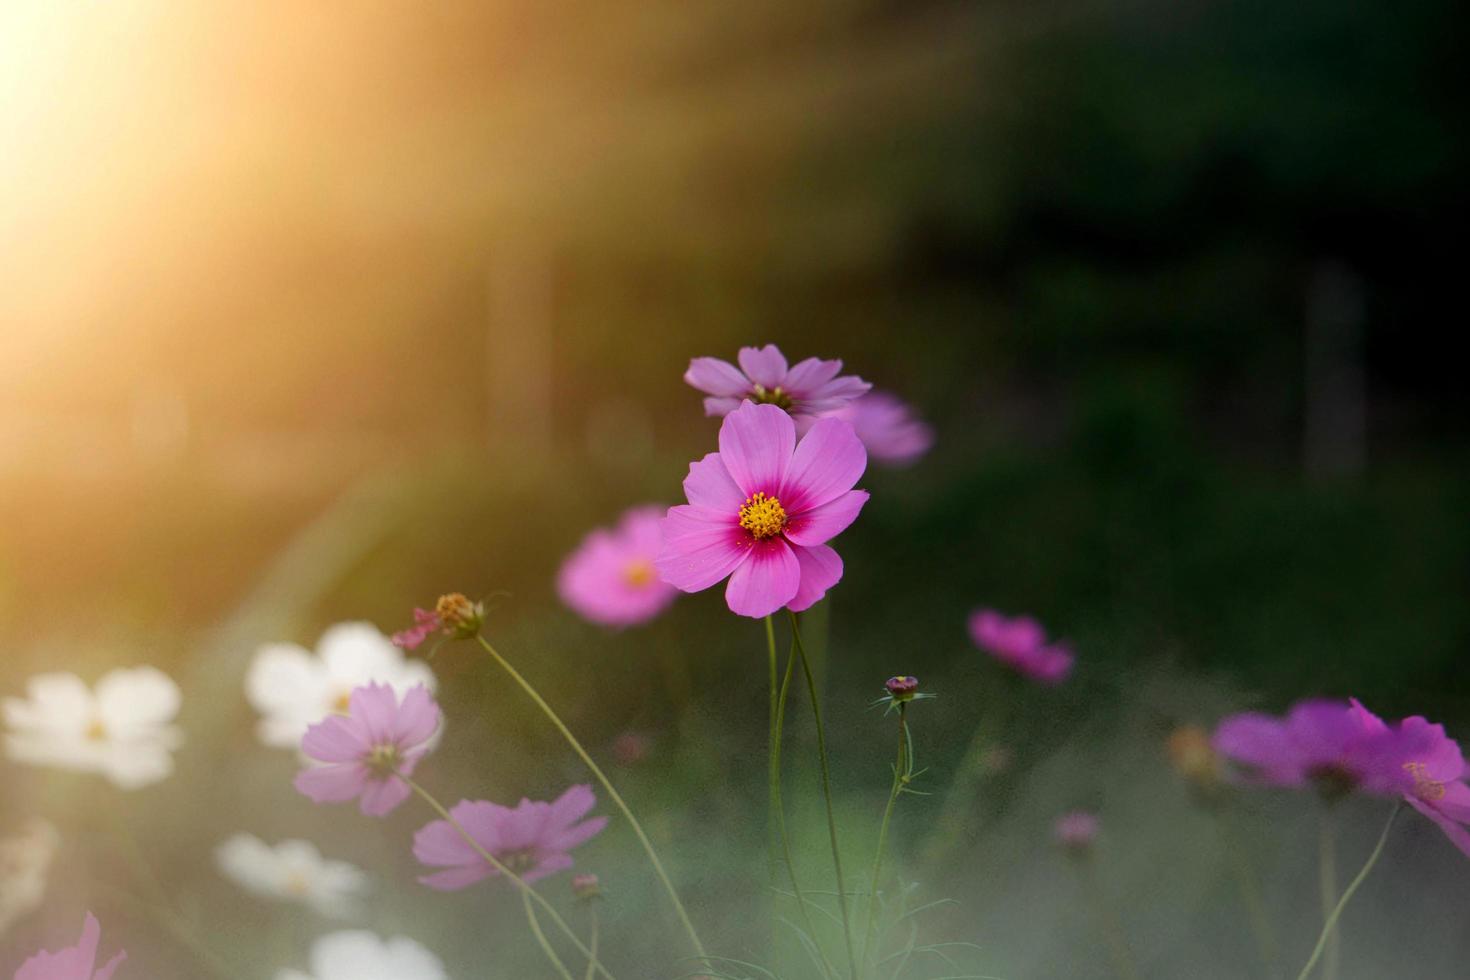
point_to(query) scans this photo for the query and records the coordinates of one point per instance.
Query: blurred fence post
(518, 348)
(1334, 437)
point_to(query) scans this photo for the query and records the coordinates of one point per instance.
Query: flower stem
(560, 967)
(774, 762)
(1332, 917)
(900, 771)
(607, 785)
(592, 944)
(526, 890)
(811, 687)
(1327, 880)
(1250, 896)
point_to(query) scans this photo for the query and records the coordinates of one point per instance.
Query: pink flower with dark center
(1324, 743)
(74, 963)
(1076, 830)
(1021, 644)
(809, 389)
(761, 510)
(610, 578)
(888, 427)
(533, 840)
(1428, 769)
(361, 755)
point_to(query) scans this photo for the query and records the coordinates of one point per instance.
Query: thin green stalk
(773, 773)
(526, 890)
(900, 769)
(556, 963)
(592, 944)
(1250, 896)
(956, 813)
(811, 687)
(1327, 880)
(1331, 923)
(612, 793)
(780, 808)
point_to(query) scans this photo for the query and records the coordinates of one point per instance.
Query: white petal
(58, 702)
(133, 766)
(283, 676)
(136, 701)
(355, 653)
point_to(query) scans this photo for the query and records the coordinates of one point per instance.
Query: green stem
(956, 816)
(811, 687)
(612, 793)
(1250, 896)
(773, 763)
(900, 770)
(592, 944)
(780, 808)
(551, 956)
(526, 890)
(1327, 880)
(1332, 917)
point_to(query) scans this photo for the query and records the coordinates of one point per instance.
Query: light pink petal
(375, 707)
(1455, 803)
(382, 796)
(835, 394)
(698, 551)
(458, 878)
(756, 443)
(709, 485)
(821, 568)
(717, 408)
(334, 739)
(765, 366)
(826, 464)
(765, 581)
(418, 718)
(822, 524)
(716, 377)
(575, 835)
(1457, 834)
(332, 784)
(572, 805)
(106, 972)
(809, 375)
(437, 843)
(548, 866)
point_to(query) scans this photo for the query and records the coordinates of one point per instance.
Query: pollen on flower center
(762, 516)
(342, 703)
(383, 760)
(96, 731)
(1424, 787)
(639, 573)
(777, 396)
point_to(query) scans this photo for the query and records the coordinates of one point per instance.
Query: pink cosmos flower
(809, 389)
(532, 840)
(610, 578)
(762, 509)
(890, 431)
(1320, 742)
(361, 754)
(74, 963)
(1427, 768)
(1021, 644)
(1076, 830)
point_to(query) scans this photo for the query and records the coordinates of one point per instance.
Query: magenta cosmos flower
(1021, 644)
(890, 431)
(809, 389)
(360, 755)
(533, 840)
(75, 963)
(762, 509)
(610, 579)
(1325, 743)
(1427, 768)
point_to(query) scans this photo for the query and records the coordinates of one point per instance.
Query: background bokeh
(310, 314)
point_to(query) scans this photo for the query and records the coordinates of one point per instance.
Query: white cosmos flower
(360, 955)
(124, 730)
(293, 871)
(25, 861)
(293, 688)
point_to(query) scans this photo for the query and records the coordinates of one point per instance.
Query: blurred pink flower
(1428, 769)
(532, 840)
(358, 754)
(762, 509)
(425, 624)
(610, 577)
(630, 748)
(1021, 644)
(1320, 742)
(1076, 830)
(74, 963)
(890, 431)
(809, 389)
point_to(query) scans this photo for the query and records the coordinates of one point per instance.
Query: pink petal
(717, 408)
(709, 485)
(548, 866)
(456, 879)
(331, 784)
(1457, 834)
(573, 804)
(809, 375)
(822, 524)
(576, 835)
(835, 394)
(756, 443)
(716, 377)
(382, 796)
(765, 366)
(375, 707)
(700, 548)
(821, 568)
(106, 972)
(418, 718)
(765, 581)
(826, 464)
(334, 739)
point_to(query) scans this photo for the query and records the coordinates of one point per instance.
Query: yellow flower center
(383, 760)
(342, 703)
(1424, 787)
(296, 884)
(763, 516)
(639, 573)
(772, 396)
(96, 731)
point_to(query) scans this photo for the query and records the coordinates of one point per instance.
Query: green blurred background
(310, 315)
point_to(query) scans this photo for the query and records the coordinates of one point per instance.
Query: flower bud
(459, 615)
(902, 688)
(1076, 831)
(586, 887)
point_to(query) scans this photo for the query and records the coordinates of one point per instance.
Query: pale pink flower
(533, 840)
(610, 578)
(809, 389)
(888, 427)
(74, 963)
(761, 510)
(1076, 830)
(1021, 644)
(361, 755)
